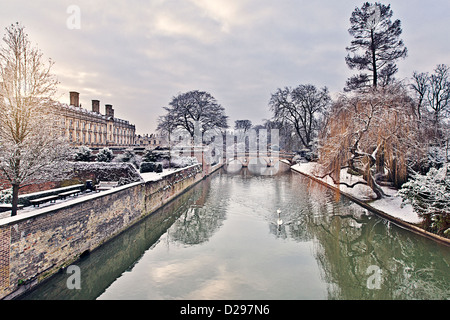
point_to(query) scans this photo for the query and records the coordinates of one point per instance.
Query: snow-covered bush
(6, 195)
(82, 153)
(104, 155)
(156, 155)
(430, 197)
(129, 156)
(103, 171)
(151, 167)
(147, 167)
(183, 162)
(435, 158)
(149, 156)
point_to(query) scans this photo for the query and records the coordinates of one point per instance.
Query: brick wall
(4, 257)
(35, 247)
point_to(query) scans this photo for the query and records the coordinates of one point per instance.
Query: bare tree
(166, 126)
(420, 86)
(286, 134)
(374, 134)
(439, 96)
(376, 46)
(193, 107)
(31, 142)
(302, 108)
(243, 125)
(433, 94)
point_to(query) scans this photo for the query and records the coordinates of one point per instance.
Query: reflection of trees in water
(203, 216)
(347, 242)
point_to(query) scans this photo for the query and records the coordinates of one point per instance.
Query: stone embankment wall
(37, 244)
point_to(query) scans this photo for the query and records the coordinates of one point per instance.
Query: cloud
(138, 54)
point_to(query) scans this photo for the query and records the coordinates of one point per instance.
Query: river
(221, 240)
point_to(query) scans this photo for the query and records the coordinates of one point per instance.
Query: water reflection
(348, 241)
(198, 222)
(220, 240)
(121, 254)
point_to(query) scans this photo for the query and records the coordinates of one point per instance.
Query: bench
(106, 185)
(37, 202)
(7, 207)
(69, 193)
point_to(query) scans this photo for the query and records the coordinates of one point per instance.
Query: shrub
(149, 156)
(147, 167)
(83, 153)
(156, 155)
(6, 196)
(104, 171)
(429, 195)
(151, 167)
(104, 155)
(183, 162)
(129, 156)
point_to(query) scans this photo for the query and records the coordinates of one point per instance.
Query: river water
(221, 240)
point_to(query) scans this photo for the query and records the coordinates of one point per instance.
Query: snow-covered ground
(390, 205)
(149, 176)
(153, 176)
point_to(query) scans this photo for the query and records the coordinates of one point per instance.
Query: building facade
(93, 129)
(151, 141)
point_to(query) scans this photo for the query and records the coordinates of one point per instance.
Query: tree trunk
(170, 153)
(367, 174)
(374, 61)
(15, 199)
(380, 161)
(374, 186)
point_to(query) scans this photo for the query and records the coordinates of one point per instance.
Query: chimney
(96, 106)
(74, 99)
(109, 110)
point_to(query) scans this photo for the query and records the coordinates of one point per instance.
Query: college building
(151, 140)
(93, 129)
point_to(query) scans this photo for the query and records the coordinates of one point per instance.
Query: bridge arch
(258, 164)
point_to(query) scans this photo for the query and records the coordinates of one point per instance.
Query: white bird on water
(279, 221)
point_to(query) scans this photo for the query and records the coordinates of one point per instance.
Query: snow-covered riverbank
(83, 196)
(391, 205)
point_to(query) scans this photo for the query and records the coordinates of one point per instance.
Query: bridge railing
(284, 155)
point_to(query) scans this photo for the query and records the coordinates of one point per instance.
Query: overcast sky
(137, 55)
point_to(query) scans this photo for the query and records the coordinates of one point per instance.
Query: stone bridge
(259, 159)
